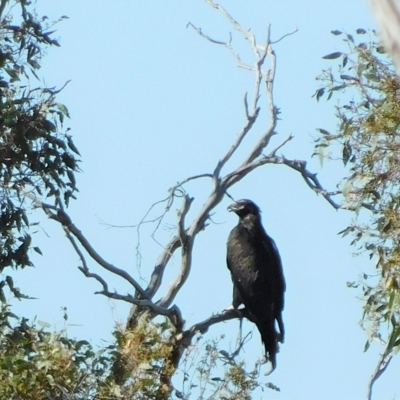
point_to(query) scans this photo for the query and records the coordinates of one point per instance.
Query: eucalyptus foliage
(367, 141)
(36, 153)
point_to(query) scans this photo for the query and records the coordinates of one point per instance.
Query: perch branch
(184, 339)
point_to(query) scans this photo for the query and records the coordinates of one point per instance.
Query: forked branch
(221, 183)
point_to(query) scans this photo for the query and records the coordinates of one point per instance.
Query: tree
(36, 157)
(146, 357)
(369, 147)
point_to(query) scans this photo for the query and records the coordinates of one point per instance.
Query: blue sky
(152, 103)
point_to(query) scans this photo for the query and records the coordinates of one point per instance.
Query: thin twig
(285, 36)
(273, 152)
(200, 32)
(228, 45)
(299, 165)
(191, 178)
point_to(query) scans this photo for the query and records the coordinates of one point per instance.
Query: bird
(257, 274)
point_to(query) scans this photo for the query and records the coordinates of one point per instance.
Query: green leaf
(71, 178)
(361, 31)
(72, 146)
(49, 126)
(8, 363)
(332, 56)
(63, 109)
(336, 32)
(2, 296)
(25, 218)
(323, 131)
(372, 77)
(38, 250)
(13, 73)
(348, 78)
(347, 151)
(34, 64)
(319, 93)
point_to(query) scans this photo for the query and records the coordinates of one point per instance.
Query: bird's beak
(233, 207)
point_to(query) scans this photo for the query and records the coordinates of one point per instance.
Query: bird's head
(244, 207)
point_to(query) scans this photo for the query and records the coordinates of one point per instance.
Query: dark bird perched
(257, 275)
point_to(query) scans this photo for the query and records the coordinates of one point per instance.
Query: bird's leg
(272, 360)
(230, 308)
(236, 300)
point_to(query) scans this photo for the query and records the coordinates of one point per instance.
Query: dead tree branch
(141, 299)
(185, 237)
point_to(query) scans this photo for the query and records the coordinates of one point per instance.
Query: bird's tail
(269, 338)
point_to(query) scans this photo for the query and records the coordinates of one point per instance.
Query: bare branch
(226, 315)
(250, 122)
(187, 201)
(187, 240)
(228, 45)
(246, 106)
(299, 165)
(163, 259)
(3, 6)
(273, 152)
(191, 178)
(100, 260)
(65, 220)
(247, 34)
(77, 249)
(285, 35)
(379, 370)
(188, 235)
(168, 312)
(200, 32)
(273, 110)
(184, 339)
